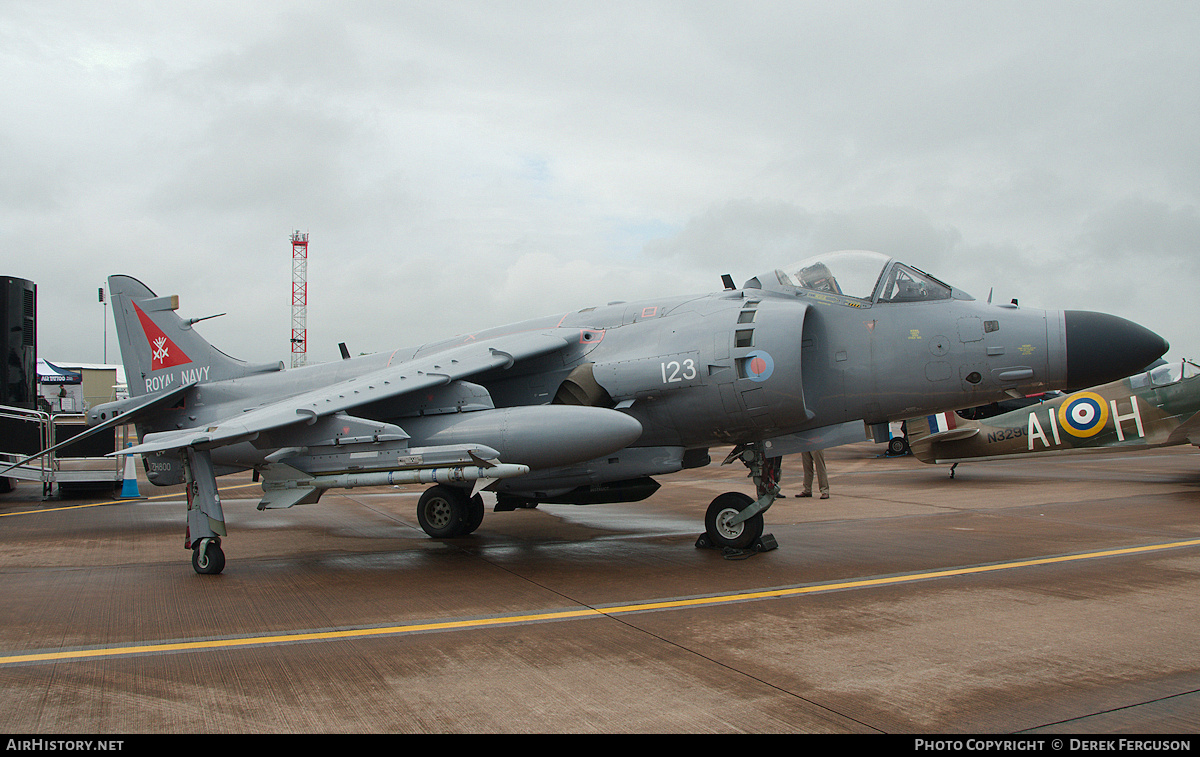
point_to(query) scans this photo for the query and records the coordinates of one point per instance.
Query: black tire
(208, 559)
(724, 508)
(443, 512)
(898, 446)
(475, 510)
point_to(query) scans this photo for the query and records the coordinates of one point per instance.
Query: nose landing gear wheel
(208, 559)
(734, 536)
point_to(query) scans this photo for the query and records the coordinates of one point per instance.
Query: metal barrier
(31, 431)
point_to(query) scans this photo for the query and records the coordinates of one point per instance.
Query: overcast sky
(463, 164)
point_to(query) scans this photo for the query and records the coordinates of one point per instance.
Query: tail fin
(926, 431)
(160, 350)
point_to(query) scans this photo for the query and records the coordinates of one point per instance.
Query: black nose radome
(1103, 348)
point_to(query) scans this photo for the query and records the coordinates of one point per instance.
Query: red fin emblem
(163, 352)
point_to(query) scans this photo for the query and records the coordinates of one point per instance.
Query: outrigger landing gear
(734, 521)
(205, 519)
(207, 557)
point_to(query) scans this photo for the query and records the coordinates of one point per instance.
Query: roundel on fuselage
(1083, 414)
(759, 365)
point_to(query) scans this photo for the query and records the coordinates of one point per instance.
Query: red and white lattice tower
(299, 298)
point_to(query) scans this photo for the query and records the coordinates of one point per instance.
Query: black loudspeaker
(18, 319)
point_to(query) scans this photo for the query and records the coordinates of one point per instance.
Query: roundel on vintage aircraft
(1083, 414)
(759, 365)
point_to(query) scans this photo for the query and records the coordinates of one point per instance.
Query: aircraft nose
(1103, 348)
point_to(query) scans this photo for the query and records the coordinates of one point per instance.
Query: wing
(1188, 431)
(423, 372)
(942, 427)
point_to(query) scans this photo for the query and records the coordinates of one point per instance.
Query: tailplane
(924, 432)
(160, 350)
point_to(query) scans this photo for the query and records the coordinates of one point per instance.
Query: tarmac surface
(1048, 596)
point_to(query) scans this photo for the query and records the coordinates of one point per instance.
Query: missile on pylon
(285, 486)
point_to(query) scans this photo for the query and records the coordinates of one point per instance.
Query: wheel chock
(764, 543)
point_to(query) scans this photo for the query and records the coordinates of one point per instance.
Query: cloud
(752, 236)
(462, 165)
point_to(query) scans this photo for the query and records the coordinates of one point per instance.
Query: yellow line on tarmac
(113, 502)
(254, 641)
(580, 613)
(899, 579)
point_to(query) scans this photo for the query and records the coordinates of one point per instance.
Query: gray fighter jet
(587, 406)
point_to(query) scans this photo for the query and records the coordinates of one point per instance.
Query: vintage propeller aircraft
(1156, 408)
(585, 407)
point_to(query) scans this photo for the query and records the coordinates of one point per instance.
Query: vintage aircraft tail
(160, 350)
(924, 432)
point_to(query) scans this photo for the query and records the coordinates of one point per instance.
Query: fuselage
(726, 367)
(780, 356)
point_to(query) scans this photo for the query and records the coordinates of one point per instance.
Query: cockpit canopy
(1165, 375)
(860, 274)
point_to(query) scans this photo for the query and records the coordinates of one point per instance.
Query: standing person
(814, 460)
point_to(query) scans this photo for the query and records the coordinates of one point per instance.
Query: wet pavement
(1056, 595)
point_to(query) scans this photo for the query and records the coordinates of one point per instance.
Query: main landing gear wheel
(445, 512)
(733, 536)
(475, 511)
(208, 559)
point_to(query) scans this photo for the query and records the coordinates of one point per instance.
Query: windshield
(1169, 374)
(906, 284)
(1166, 374)
(853, 273)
